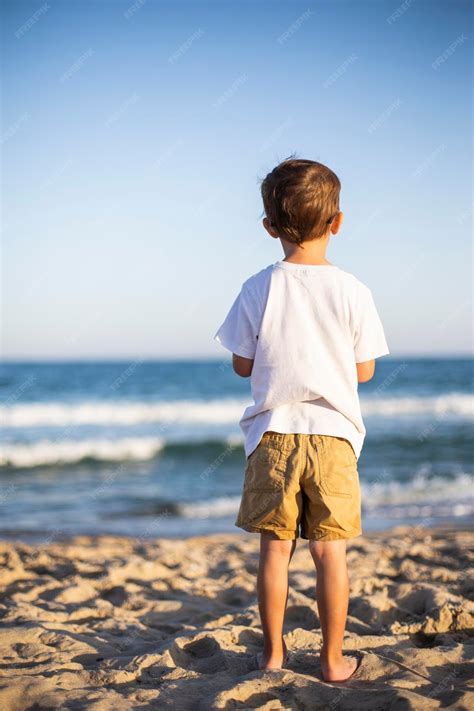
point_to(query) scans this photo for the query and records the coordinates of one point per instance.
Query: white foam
(460, 404)
(421, 489)
(235, 440)
(422, 497)
(121, 413)
(45, 452)
(211, 412)
(214, 508)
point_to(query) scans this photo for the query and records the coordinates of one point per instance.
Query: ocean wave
(202, 446)
(47, 453)
(213, 508)
(208, 412)
(422, 489)
(59, 453)
(56, 414)
(460, 404)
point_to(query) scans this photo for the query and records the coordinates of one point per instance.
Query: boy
(306, 332)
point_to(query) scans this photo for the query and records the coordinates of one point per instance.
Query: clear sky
(135, 134)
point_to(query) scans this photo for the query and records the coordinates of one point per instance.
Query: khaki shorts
(301, 481)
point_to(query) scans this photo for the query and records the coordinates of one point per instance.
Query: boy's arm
(365, 371)
(242, 366)
(368, 335)
(239, 332)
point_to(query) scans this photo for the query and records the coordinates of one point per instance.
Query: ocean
(153, 448)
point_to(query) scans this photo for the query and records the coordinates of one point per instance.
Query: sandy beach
(122, 623)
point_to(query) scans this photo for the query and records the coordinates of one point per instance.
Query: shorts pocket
(338, 468)
(264, 485)
(265, 470)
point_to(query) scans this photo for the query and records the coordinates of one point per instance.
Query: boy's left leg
(272, 585)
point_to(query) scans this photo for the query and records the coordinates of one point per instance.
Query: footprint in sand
(116, 595)
(236, 597)
(301, 616)
(203, 655)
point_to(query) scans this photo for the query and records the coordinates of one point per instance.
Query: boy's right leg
(332, 595)
(272, 586)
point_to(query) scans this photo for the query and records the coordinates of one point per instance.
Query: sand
(120, 623)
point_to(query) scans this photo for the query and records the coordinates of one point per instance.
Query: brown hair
(301, 198)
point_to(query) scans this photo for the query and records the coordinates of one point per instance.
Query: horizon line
(201, 358)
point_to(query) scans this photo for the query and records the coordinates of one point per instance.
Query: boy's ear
(267, 224)
(336, 223)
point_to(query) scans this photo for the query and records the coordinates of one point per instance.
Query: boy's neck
(309, 252)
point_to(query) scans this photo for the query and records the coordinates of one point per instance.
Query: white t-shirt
(305, 326)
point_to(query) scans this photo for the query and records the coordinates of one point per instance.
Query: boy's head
(301, 200)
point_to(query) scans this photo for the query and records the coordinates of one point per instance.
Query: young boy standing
(306, 332)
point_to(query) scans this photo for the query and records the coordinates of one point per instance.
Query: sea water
(153, 448)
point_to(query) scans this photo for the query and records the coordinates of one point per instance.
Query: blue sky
(135, 133)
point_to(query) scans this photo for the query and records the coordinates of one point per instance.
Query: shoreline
(39, 537)
(115, 622)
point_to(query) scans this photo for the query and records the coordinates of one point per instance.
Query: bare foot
(271, 661)
(340, 670)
